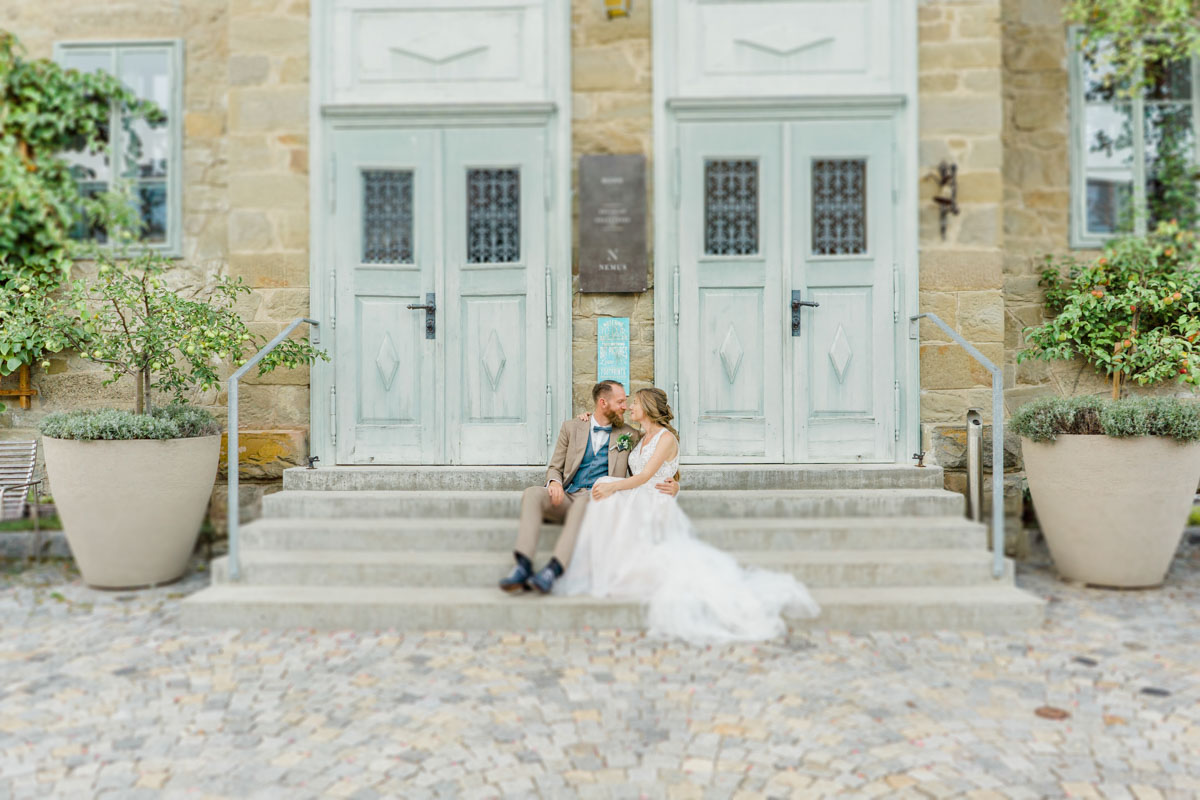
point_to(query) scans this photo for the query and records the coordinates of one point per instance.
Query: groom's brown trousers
(536, 508)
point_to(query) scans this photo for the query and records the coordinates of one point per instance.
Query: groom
(587, 450)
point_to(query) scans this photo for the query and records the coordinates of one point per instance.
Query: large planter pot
(131, 510)
(1112, 509)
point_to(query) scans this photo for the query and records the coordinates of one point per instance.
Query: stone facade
(992, 100)
(612, 98)
(202, 25)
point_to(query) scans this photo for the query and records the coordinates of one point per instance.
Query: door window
(387, 216)
(493, 216)
(730, 207)
(839, 206)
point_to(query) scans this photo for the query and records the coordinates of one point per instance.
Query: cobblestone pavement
(104, 695)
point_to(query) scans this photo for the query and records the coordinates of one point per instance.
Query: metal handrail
(997, 439)
(232, 459)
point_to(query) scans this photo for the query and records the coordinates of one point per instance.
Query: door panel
(495, 240)
(730, 274)
(384, 366)
(842, 370)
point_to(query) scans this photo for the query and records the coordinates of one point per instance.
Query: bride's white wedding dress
(639, 544)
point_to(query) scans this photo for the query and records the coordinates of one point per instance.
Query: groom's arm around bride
(587, 450)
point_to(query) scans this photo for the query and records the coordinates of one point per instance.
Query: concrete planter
(131, 510)
(1112, 510)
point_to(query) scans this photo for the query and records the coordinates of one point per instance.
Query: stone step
(994, 607)
(433, 533)
(694, 477)
(735, 503)
(818, 568)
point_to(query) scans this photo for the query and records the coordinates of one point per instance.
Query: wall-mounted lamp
(947, 175)
(617, 8)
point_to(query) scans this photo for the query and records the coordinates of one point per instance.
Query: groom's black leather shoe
(544, 580)
(518, 579)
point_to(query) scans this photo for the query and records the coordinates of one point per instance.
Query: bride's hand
(583, 417)
(601, 491)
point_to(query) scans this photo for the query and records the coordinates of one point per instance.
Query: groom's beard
(616, 419)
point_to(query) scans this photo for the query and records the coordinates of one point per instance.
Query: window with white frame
(146, 157)
(1124, 145)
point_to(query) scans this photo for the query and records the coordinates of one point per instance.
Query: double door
(439, 238)
(788, 292)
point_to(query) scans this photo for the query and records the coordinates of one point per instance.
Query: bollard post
(974, 465)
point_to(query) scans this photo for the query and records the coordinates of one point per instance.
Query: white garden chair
(18, 460)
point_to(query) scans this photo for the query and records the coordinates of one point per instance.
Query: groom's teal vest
(593, 467)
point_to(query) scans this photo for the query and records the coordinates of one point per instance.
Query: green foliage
(46, 110)
(1133, 38)
(1171, 191)
(1131, 313)
(130, 321)
(1045, 418)
(166, 422)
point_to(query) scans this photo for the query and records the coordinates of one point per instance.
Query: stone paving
(104, 695)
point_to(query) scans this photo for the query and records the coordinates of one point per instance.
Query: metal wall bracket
(947, 175)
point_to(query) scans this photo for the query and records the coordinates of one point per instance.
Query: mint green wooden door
(456, 217)
(495, 279)
(844, 392)
(773, 212)
(731, 310)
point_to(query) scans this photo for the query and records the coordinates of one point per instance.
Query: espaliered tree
(1133, 313)
(46, 111)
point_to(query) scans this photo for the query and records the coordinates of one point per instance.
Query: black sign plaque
(612, 224)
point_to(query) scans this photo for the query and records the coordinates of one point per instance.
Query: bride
(636, 542)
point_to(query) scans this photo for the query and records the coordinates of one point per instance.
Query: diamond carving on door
(494, 360)
(840, 353)
(387, 362)
(731, 353)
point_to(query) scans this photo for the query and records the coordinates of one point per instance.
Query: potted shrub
(1112, 482)
(132, 486)
(1101, 473)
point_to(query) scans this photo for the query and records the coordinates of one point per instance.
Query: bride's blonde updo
(654, 403)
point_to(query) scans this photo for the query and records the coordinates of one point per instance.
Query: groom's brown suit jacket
(572, 445)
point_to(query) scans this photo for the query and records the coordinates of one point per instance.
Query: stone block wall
(267, 225)
(612, 113)
(70, 382)
(1037, 183)
(245, 186)
(961, 275)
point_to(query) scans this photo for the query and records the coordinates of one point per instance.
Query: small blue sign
(612, 350)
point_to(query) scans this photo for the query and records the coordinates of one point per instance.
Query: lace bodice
(642, 454)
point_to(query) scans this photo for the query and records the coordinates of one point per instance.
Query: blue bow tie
(606, 430)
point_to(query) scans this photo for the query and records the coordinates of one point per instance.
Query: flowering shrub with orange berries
(1133, 313)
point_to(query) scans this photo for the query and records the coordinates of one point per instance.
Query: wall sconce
(947, 175)
(617, 8)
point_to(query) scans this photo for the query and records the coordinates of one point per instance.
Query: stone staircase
(880, 547)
